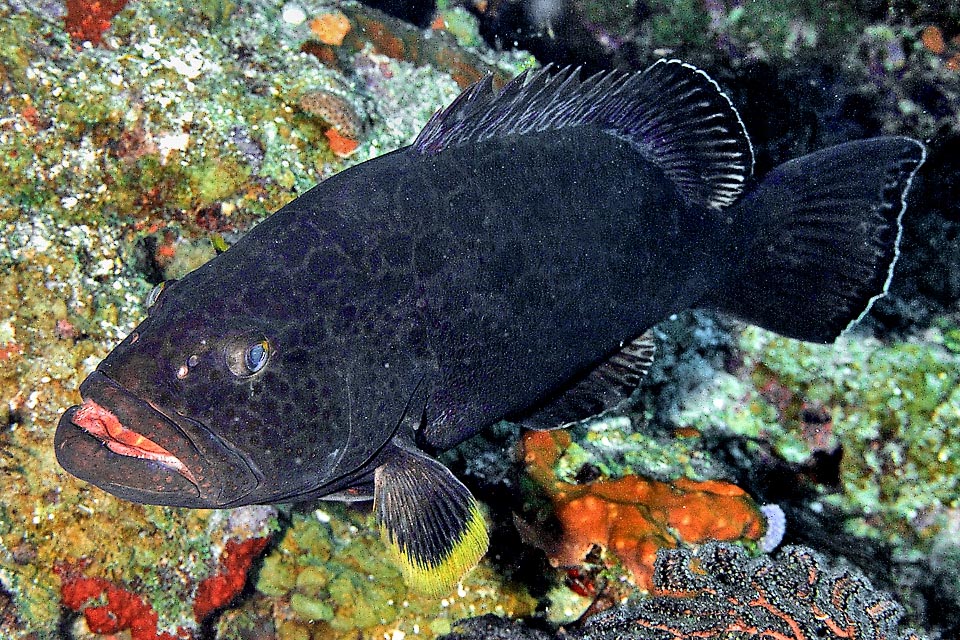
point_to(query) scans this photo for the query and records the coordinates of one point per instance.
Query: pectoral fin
(429, 519)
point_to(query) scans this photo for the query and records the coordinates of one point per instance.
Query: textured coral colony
(756, 486)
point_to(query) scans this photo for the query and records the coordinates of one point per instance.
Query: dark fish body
(506, 265)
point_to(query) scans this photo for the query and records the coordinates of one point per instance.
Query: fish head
(211, 403)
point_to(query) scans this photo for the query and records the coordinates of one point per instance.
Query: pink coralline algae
(87, 20)
(109, 608)
(718, 592)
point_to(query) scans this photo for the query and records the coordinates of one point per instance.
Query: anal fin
(600, 390)
(430, 521)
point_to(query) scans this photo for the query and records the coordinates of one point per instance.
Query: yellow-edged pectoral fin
(431, 522)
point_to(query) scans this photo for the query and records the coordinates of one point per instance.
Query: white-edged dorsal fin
(673, 113)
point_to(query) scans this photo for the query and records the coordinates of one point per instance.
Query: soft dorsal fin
(673, 113)
(602, 389)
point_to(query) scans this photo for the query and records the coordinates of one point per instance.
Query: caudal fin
(827, 238)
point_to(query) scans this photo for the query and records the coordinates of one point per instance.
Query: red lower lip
(103, 424)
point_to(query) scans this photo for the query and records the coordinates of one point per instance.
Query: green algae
(616, 449)
(334, 579)
(101, 146)
(785, 27)
(311, 608)
(683, 23)
(462, 25)
(187, 256)
(894, 408)
(775, 29)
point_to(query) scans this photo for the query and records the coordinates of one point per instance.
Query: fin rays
(672, 113)
(429, 519)
(830, 238)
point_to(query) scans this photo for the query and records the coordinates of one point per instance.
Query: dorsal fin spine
(672, 114)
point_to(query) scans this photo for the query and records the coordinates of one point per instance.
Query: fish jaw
(101, 423)
(128, 447)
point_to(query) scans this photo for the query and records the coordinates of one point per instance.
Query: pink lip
(103, 424)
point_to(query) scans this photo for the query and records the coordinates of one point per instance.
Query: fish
(506, 265)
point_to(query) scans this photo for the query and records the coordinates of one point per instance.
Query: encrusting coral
(718, 593)
(87, 20)
(329, 578)
(635, 517)
(108, 608)
(346, 124)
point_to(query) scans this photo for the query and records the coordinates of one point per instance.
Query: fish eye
(247, 358)
(257, 356)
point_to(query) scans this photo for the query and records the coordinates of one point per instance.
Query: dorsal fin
(672, 113)
(602, 389)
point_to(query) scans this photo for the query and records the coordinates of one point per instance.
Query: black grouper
(505, 265)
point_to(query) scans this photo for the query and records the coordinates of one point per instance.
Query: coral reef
(352, 30)
(135, 134)
(718, 592)
(87, 20)
(119, 163)
(109, 607)
(346, 122)
(894, 409)
(218, 590)
(634, 517)
(120, 610)
(331, 28)
(330, 579)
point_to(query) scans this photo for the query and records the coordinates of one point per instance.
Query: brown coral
(635, 517)
(718, 592)
(361, 26)
(346, 123)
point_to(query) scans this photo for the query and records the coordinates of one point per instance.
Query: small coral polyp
(87, 20)
(635, 517)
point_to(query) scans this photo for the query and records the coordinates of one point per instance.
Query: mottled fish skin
(402, 269)
(328, 285)
(407, 303)
(526, 280)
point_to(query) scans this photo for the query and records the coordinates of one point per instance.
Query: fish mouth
(129, 447)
